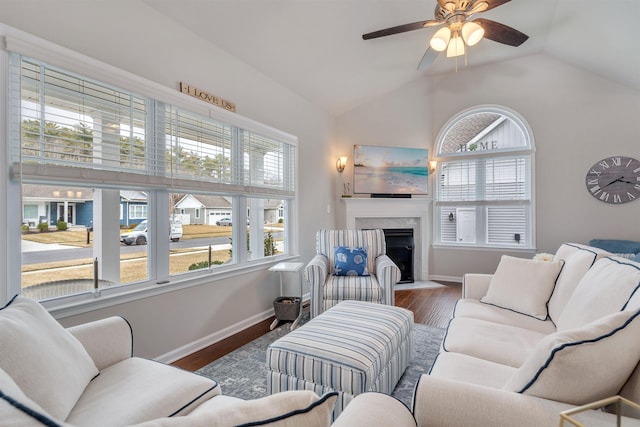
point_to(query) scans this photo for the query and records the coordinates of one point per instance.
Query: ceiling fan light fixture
(472, 33)
(456, 46)
(440, 39)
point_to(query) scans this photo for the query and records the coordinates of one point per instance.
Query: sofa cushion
(135, 390)
(474, 309)
(285, 409)
(582, 365)
(505, 344)
(17, 410)
(360, 288)
(523, 285)
(469, 369)
(578, 259)
(48, 363)
(350, 261)
(604, 289)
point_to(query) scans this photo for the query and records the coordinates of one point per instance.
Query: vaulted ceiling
(315, 47)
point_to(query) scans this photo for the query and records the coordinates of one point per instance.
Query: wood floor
(430, 306)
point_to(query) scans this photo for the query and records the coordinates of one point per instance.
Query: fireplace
(412, 214)
(399, 242)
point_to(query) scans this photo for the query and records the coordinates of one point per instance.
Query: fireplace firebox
(400, 246)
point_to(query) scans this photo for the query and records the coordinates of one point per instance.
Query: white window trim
(17, 41)
(514, 115)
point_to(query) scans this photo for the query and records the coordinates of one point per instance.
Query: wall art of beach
(392, 170)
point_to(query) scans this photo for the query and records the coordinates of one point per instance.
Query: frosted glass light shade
(472, 33)
(440, 39)
(456, 47)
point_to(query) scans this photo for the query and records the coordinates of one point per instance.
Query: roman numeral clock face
(615, 180)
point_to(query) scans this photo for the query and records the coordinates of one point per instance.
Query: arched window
(484, 191)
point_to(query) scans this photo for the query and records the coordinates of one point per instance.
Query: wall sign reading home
(390, 170)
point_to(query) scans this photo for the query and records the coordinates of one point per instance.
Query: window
(30, 214)
(140, 185)
(484, 175)
(138, 211)
(266, 235)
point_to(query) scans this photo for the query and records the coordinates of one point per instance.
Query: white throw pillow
(606, 288)
(578, 259)
(582, 365)
(16, 409)
(523, 285)
(292, 408)
(49, 364)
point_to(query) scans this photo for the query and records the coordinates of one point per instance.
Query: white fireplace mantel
(412, 213)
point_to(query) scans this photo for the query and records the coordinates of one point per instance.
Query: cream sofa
(537, 338)
(532, 340)
(86, 376)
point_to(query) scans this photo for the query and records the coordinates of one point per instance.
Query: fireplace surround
(414, 213)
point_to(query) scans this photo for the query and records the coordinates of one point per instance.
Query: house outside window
(124, 160)
(484, 180)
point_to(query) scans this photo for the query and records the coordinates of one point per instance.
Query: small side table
(289, 267)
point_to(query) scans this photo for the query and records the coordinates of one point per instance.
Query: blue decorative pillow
(350, 261)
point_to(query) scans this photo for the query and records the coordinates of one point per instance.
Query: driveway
(29, 246)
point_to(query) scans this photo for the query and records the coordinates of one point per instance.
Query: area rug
(243, 373)
(418, 284)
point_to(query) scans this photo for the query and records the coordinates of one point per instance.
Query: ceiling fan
(458, 31)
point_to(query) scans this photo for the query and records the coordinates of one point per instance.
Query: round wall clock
(614, 180)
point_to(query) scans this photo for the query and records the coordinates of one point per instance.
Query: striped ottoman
(352, 348)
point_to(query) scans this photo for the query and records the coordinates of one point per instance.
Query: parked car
(224, 222)
(139, 234)
(227, 222)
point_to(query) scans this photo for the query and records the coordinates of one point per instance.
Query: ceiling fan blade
(399, 29)
(429, 56)
(501, 33)
(495, 3)
(432, 23)
(464, 4)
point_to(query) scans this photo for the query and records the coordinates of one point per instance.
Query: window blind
(199, 147)
(268, 164)
(73, 127)
(504, 222)
(506, 178)
(447, 226)
(66, 120)
(500, 178)
(457, 181)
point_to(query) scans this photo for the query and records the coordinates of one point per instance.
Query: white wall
(577, 118)
(133, 37)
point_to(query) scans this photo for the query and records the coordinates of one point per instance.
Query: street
(63, 253)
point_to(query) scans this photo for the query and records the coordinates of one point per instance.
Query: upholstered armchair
(330, 285)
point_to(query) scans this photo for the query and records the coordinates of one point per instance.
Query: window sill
(485, 248)
(83, 303)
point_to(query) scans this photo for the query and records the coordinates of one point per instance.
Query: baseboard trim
(213, 338)
(218, 336)
(437, 277)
